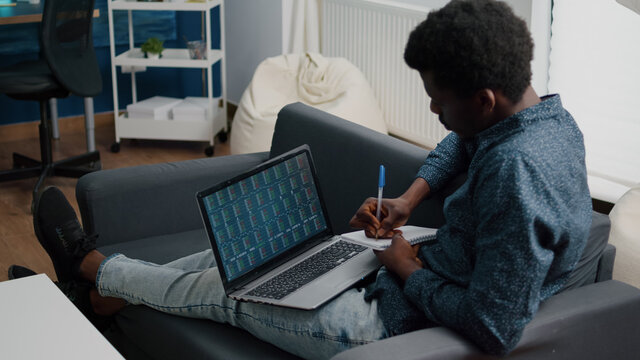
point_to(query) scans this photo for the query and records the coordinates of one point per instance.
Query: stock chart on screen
(263, 215)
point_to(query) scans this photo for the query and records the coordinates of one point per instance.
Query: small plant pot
(152, 56)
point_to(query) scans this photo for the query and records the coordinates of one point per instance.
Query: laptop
(272, 238)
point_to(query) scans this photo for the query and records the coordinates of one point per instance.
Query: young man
(514, 230)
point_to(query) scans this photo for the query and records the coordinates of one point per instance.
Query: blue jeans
(191, 287)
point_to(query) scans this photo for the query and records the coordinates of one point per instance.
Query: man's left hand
(400, 258)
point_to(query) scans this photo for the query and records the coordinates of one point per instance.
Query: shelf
(137, 128)
(183, 130)
(178, 58)
(163, 129)
(163, 6)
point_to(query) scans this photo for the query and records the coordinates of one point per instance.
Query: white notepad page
(413, 234)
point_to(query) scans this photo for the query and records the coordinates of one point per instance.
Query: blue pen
(380, 186)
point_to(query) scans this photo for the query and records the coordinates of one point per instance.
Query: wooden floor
(18, 243)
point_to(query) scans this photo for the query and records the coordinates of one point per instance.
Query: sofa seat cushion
(163, 336)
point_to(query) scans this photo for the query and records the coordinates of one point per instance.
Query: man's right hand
(394, 213)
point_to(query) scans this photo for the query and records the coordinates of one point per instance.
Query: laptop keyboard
(307, 270)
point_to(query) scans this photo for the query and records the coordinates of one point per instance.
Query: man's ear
(486, 100)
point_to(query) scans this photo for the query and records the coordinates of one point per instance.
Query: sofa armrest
(605, 265)
(142, 201)
(597, 321)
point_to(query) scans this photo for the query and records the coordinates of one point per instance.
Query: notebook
(272, 239)
(413, 234)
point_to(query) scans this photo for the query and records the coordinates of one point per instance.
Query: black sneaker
(60, 233)
(17, 272)
(78, 293)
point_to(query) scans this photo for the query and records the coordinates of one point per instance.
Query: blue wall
(154, 81)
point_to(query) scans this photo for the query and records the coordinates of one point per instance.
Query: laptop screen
(263, 215)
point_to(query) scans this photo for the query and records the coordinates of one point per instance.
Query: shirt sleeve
(448, 159)
(512, 257)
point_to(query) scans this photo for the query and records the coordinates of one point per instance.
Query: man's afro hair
(470, 45)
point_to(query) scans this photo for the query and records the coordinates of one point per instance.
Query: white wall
(253, 33)
(432, 4)
(537, 14)
(522, 8)
(541, 32)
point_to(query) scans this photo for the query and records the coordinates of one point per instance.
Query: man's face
(455, 113)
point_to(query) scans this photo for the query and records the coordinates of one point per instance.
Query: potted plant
(152, 48)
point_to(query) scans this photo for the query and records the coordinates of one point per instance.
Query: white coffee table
(38, 322)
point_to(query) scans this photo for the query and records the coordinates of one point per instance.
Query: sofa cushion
(161, 249)
(131, 203)
(164, 336)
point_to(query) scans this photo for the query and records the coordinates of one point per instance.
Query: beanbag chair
(330, 84)
(625, 227)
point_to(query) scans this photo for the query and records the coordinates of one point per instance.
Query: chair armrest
(598, 321)
(142, 201)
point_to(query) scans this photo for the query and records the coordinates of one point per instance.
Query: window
(595, 67)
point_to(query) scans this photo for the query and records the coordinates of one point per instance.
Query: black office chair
(68, 65)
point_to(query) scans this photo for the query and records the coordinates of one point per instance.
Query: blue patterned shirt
(514, 230)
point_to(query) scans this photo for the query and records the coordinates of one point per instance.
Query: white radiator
(372, 35)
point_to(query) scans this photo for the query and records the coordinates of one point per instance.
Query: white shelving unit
(133, 59)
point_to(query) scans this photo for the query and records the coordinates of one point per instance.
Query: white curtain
(595, 67)
(301, 22)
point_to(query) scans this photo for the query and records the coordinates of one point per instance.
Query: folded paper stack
(154, 108)
(191, 109)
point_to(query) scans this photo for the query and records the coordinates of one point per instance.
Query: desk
(39, 322)
(24, 12)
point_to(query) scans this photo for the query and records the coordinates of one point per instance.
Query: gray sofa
(149, 212)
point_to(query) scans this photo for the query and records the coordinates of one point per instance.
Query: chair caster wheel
(115, 147)
(223, 136)
(208, 151)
